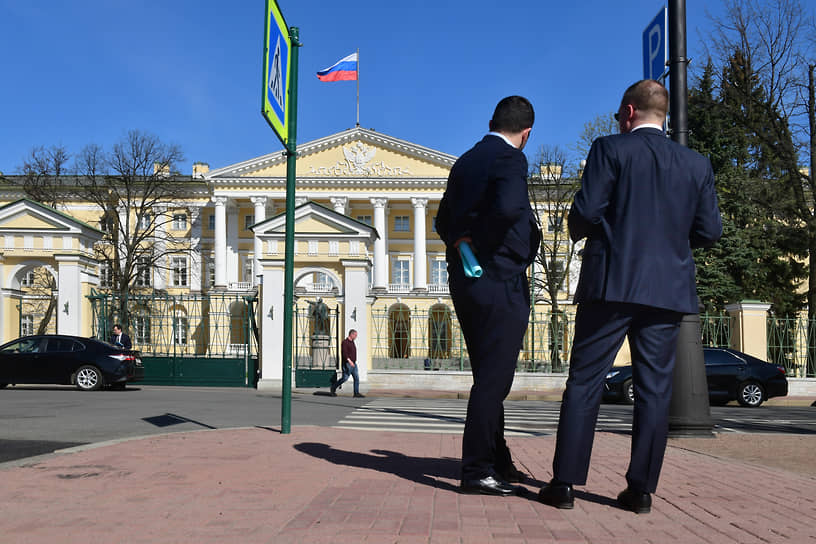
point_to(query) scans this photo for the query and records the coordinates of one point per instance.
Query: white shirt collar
(502, 136)
(648, 125)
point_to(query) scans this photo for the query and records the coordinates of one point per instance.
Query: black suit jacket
(126, 343)
(486, 199)
(644, 203)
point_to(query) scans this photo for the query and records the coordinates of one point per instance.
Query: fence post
(749, 327)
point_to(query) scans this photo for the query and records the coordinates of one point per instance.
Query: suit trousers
(600, 328)
(493, 315)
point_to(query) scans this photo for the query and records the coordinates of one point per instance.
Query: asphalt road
(39, 420)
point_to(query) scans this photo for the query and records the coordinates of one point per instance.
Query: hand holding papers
(469, 262)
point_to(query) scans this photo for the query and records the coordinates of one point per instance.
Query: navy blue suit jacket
(486, 199)
(644, 203)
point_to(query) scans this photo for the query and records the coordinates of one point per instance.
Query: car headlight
(612, 374)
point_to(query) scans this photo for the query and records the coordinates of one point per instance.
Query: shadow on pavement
(422, 470)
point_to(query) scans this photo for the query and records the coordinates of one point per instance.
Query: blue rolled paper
(469, 262)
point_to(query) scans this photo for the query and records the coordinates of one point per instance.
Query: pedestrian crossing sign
(276, 56)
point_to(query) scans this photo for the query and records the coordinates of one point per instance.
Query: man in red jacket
(348, 352)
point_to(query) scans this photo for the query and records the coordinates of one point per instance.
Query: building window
(313, 247)
(26, 325)
(439, 272)
(401, 272)
(248, 221)
(364, 219)
(143, 271)
(211, 273)
(105, 275)
(106, 224)
(334, 247)
(28, 279)
(144, 222)
(354, 247)
(555, 222)
(433, 224)
(249, 267)
(402, 223)
(141, 329)
(180, 325)
(179, 265)
(179, 221)
(211, 222)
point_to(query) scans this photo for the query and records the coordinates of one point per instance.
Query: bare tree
(552, 187)
(138, 199)
(44, 172)
(603, 125)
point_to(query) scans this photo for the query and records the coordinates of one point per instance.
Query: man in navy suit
(644, 203)
(118, 338)
(486, 204)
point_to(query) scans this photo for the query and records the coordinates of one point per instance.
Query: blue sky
(430, 71)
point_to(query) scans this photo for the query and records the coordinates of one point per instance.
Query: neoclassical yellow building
(366, 252)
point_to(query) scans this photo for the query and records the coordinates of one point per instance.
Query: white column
(69, 295)
(220, 249)
(420, 259)
(233, 264)
(380, 256)
(161, 272)
(260, 215)
(195, 250)
(271, 326)
(356, 310)
(339, 204)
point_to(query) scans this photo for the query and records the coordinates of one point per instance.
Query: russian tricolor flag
(344, 69)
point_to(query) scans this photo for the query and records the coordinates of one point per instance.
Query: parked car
(731, 374)
(88, 363)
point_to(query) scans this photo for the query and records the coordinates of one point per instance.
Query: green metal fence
(194, 339)
(792, 344)
(430, 339)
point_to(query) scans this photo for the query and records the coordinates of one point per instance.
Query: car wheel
(88, 378)
(628, 392)
(750, 394)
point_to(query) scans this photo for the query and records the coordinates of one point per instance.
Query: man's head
(117, 329)
(647, 101)
(514, 118)
(352, 334)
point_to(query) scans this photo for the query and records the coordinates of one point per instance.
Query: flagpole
(358, 86)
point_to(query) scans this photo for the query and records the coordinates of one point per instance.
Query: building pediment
(29, 217)
(313, 220)
(356, 153)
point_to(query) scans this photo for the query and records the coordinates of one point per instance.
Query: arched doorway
(439, 332)
(399, 331)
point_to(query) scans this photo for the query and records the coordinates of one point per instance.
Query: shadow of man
(430, 471)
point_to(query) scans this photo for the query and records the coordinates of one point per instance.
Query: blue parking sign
(655, 46)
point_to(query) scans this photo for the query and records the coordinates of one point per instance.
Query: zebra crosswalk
(448, 416)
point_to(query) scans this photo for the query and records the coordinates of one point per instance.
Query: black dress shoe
(557, 494)
(638, 502)
(511, 474)
(359, 395)
(488, 486)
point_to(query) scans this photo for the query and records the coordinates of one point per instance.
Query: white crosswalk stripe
(448, 416)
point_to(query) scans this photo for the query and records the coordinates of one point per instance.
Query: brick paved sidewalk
(327, 485)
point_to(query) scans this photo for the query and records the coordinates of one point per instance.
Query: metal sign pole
(289, 262)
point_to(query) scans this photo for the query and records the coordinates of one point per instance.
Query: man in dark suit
(644, 202)
(118, 338)
(486, 204)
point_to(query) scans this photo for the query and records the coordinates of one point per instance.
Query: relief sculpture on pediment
(358, 162)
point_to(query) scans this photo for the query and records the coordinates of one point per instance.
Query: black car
(87, 363)
(732, 375)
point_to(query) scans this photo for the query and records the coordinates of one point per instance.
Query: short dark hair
(513, 114)
(352, 331)
(649, 96)
(117, 326)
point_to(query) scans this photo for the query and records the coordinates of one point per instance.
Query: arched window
(399, 331)
(439, 332)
